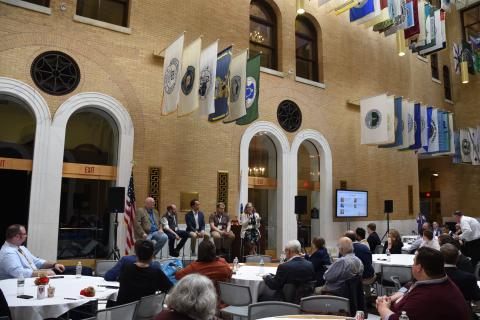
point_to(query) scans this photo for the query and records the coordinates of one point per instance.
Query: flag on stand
(129, 217)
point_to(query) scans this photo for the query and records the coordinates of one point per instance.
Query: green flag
(252, 91)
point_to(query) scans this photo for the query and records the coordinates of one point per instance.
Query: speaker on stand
(116, 204)
(301, 208)
(387, 208)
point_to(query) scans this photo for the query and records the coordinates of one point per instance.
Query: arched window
(306, 49)
(446, 83)
(89, 170)
(263, 33)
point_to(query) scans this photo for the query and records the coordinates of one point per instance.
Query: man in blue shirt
(16, 260)
(148, 227)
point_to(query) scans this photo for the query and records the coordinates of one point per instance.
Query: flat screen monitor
(352, 203)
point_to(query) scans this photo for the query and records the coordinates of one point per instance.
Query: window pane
(434, 65)
(261, 33)
(45, 3)
(111, 11)
(305, 70)
(259, 12)
(303, 27)
(17, 128)
(262, 157)
(266, 59)
(84, 220)
(304, 48)
(446, 83)
(91, 137)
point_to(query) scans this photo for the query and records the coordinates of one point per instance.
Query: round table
(402, 260)
(250, 276)
(67, 287)
(306, 316)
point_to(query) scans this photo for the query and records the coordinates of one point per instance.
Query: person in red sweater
(207, 264)
(432, 296)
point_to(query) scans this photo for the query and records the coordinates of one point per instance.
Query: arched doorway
(17, 138)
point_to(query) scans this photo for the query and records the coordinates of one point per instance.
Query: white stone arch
(324, 225)
(56, 149)
(40, 178)
(280, 140)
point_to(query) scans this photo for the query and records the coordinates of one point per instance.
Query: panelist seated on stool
(220, 229)
(16, 260)
(148, 227)
(195, 221)
(170, 225)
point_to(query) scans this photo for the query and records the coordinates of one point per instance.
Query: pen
(70, 298)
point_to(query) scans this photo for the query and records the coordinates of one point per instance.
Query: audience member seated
(433, 296)
(373, 238)
(192, 298)
(139, 279)
(360, 233)
(465, 281)
(394, 242)
(429, 241)
(363, 253)
(112, 274)
(417, 243)
(463, 262)
(207, 264)
(436, 230)
(320, 259)
(296, 270)
(344, 268)
(16, 260)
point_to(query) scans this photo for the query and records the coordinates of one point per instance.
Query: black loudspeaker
(300, 204)
(388, 208)
(116, 199)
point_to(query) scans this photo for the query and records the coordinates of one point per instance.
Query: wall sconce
(464, 71)
(401, 42)
(300, 6)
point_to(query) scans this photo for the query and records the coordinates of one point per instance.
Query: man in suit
(463, 262)
(373, 238)
(363, 253)
(195, 221)
(437, 231)
(148, 227)
(296, 270)
(465, 281)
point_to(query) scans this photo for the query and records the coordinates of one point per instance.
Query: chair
(102, 266)
(150, 306)
(271, 309)
(378, 249)
(237, 297)
(477, 270)
(394, 276)
(293, 292)
(353, 291)
(122, 312)
(257, 258)
(324, 304)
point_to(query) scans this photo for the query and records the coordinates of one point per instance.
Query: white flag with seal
(411, 123)
(190, 78)
(171, 75)
(465, 146)
(433, 137)
(238, 79)
(472, 133)
(424, 125)
(377, 116)
(208, 73)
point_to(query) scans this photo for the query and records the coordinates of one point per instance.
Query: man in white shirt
(16, 260)
(470, 235)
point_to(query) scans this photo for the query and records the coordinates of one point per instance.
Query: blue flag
(398, 125)
(443, 132)
(221, 85)
(361, 11)
(418, 127)
(429, 126)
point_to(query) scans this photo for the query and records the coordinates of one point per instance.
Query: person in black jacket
(394, 242)
(466, 282)
(463, 262)
(373, 238)
(195, 220)
(296, 270)
(139, 279)
(170, 225)
(363, 253)
(320, 259)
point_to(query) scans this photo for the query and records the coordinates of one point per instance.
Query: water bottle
(389, 258)
(78, 270)
(20, 285)
(235, 264)
(403, 316)
(262, 267)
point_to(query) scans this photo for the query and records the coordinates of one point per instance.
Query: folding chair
(271, 309)
(237, 297)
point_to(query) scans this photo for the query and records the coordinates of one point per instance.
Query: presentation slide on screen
(351, 203)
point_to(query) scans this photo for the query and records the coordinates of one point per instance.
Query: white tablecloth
(67, 287)
(404, 260)
(250, 276)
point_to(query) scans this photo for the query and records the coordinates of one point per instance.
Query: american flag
(129, 217)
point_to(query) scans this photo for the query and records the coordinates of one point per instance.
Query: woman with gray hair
(192, 298)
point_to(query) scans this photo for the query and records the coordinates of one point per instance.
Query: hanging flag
(383, 16)
(445, 5)
(377, 120)
(398, 123)
(467, 54)
(465, 146)
(443, 131)
(457, 157)
(440, 41)
(424, 127)
(450, 133)
(221, 85)
(400, 20)
(410, 14)
(364, 10)
(417, 127)
(252, 91)
(421, 22)
(129, 217)
(408, 125)
(238, 79)
(457, 57)
(208, 71)
(432, 130)
(413, 31)
(475, 156)
(475, 42)
(190, 78)
(171, 75)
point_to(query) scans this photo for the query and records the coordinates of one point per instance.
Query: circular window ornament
(55, 73)
(289, 115)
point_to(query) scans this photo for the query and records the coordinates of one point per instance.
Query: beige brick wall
(356, 63)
